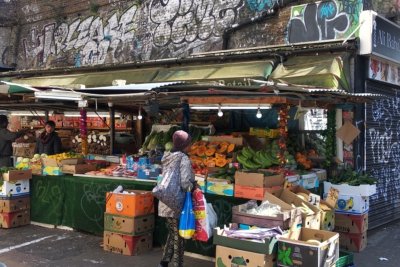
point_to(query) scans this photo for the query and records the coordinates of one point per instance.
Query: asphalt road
(39, 246)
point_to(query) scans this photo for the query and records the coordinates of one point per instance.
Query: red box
(353, 242)
(126, 244)
(14, 219)
(251, 192)
(136, 203)
(351, 223)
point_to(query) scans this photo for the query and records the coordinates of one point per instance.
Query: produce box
(308, 181)
(364, 190)
(15, 175)
(49, 162)
(126, 244)
(285, 220)
(135, 203)
(259, 180)
(321, 173)
(128, 225)
(14, 219)
(26, 150)
(353, 242)
(351, 223)
(14, 188)
(266, 246)
(354, 204)
(15, 204)
(309, 220)
(234, 257)
(219, 187)
(72, 161)
(52, 171)
(315, 248)
(78, 168)
(250, 192)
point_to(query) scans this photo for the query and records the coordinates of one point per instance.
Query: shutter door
(382, 152)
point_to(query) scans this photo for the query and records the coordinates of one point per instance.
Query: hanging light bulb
(259, 114)
(140, 114)
(220, 113)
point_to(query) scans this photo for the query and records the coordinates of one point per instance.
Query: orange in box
(136, 203)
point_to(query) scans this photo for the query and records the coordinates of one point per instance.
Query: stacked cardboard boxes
(129, 222)
(15, 199)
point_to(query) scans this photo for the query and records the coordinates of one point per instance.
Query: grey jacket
(186, 175)
(6, 138)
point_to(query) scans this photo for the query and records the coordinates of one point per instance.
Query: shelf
(76, 128)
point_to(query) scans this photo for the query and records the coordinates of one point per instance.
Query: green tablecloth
(79, 202)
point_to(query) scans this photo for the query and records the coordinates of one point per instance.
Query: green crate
(345, 259)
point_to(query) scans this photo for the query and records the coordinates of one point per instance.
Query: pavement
(39, 246)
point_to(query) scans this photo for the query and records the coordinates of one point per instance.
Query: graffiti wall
(119, 32)
(7, 49)
(325, 20)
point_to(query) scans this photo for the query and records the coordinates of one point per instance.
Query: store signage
(384, 71)
(379, 36)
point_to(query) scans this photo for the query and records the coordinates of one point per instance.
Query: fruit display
(224, 173)
(98, 143)
(205, 154)
(264, 158)
(303, 161)
(61, 156)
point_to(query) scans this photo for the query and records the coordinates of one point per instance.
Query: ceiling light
(230, 107)
(91, 114)
(59, 95)
(140, 114)
(259, 114)
(220, 113)
(29, 113)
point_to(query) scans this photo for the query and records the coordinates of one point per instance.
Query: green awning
(229, 73)
(325, 71)
(93, 79)
(13, 88)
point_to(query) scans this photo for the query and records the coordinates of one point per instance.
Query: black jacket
(51, 147)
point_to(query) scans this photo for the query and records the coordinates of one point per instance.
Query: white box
(14, 188)
(308, 181)
(364, 190)
(352, 204)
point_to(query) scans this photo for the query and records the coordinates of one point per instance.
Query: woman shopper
(174, 247)
(6, 139)
(49, 142)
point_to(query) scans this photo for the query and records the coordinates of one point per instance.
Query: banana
(241, 158)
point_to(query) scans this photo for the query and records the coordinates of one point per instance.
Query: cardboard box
(15, 175)
(321, 173)
(308, 181)
(219, 187)
(250, 192)
(258, 179)
(78, 168)
(353, 242)
(128, 225)
(26, 150)
(228, 138)
(48, 162)
(71, 161)
(126, 244)
(266, 246)
(14, 219)
(323, 253)
(351, 223)
(136, 203)
(354, 204)
(15, 204)
(233, 257)
(285, 220)
(14, 188)
(309, 221)
(364, 190)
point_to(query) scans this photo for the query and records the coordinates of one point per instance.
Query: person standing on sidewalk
(6, 139)
(174, 247)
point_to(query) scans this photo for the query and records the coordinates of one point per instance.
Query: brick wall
(78, 33)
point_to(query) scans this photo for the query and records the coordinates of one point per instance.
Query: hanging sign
(379, 36)
(384, 71)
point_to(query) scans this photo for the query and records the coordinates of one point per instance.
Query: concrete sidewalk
(38, 246)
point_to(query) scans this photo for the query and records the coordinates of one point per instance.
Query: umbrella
(13, 88)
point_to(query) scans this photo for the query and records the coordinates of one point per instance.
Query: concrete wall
(79, 33)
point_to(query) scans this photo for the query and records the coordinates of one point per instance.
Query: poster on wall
(384, 71)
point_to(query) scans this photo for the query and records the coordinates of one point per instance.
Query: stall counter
(79, 202)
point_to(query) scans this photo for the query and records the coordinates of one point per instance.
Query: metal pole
(112, 127)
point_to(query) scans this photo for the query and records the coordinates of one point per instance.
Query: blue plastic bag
(187, 219)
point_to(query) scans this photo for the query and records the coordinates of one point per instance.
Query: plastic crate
(345, 259)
